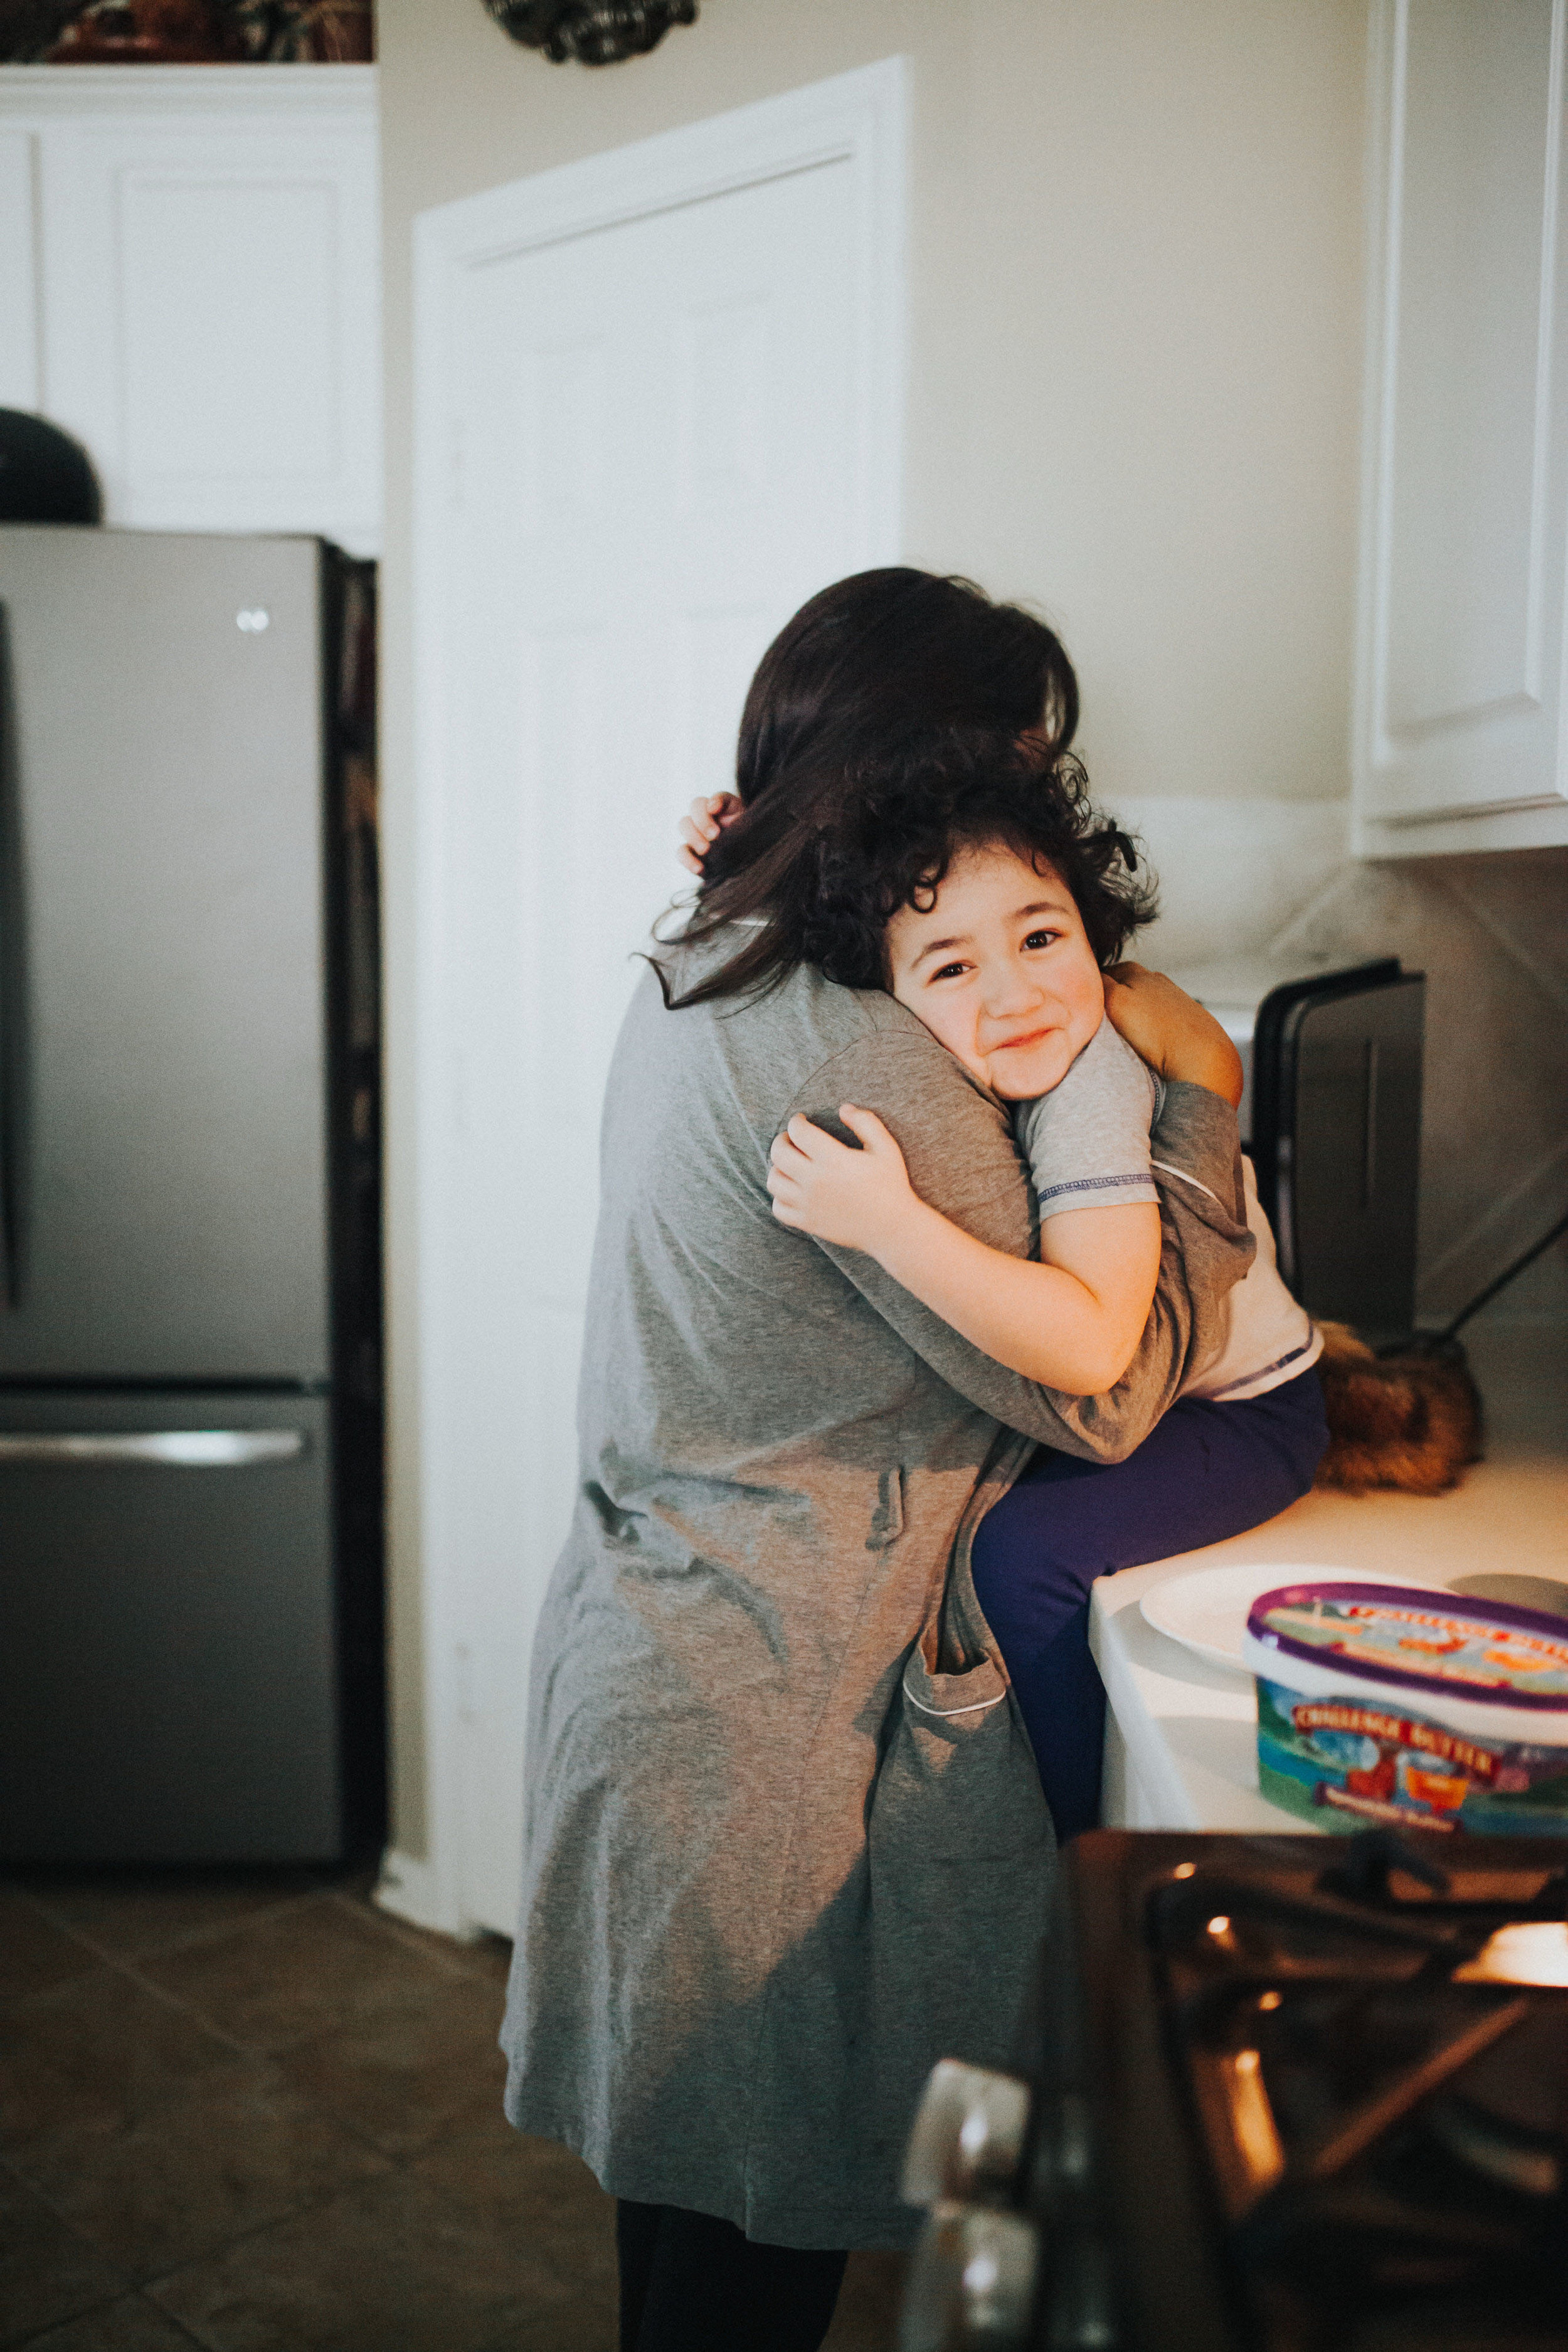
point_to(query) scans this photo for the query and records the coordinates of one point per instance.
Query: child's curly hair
(900, 825)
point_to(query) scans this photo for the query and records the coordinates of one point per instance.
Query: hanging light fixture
(594, 32)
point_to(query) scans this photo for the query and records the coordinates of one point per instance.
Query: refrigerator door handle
(181, 1449)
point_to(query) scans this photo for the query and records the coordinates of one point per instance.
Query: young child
(1006, 955)
(999, 967)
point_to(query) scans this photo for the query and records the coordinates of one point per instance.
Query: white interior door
(661, 437)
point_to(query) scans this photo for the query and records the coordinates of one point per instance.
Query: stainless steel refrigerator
(189, 1428)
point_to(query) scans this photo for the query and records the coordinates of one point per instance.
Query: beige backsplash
(1269, 883)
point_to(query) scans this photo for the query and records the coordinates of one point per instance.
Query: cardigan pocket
(958, 1777)
(961, 1852)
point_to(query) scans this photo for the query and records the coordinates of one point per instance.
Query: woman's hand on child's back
(1172, 1032)
(826, 1189)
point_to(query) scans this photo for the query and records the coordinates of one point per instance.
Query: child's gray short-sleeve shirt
(1087, 1142)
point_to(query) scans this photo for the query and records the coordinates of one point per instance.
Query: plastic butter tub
(1383, 1703)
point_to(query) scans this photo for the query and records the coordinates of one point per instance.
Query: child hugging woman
(986, 894)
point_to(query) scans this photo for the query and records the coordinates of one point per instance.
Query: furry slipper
(1411, 1420)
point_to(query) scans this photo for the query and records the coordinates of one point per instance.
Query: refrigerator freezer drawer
(167, 1629)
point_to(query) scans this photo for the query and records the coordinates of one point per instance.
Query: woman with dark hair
(786, 1844)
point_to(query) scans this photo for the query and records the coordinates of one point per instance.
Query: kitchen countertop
(1180, 1733)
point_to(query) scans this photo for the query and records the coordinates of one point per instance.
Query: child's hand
(703, 823)
(1172, 1032)
(820, 1186)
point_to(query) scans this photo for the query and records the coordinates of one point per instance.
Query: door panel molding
(19, 267)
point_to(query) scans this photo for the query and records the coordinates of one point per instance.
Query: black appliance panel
(1337, 1067)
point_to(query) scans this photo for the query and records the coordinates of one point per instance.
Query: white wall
(1135, 277)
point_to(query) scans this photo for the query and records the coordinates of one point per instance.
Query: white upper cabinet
(190, 283)
(1460, 656)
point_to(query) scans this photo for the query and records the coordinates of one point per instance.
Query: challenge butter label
(1341, 1763)
(1404, 1730)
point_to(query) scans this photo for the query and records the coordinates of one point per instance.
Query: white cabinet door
(207, 288)
(1464, 551)
(644, 447)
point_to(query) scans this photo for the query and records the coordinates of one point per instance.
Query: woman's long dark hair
(868, 670)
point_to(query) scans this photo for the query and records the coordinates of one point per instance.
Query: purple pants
(1206, 1472)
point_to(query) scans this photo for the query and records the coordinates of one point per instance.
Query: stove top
(1287, 2095)
(1381, 2106)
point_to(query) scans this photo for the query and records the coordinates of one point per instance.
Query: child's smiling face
(1001, 971)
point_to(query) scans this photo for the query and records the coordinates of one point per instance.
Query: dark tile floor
(257, 2114)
